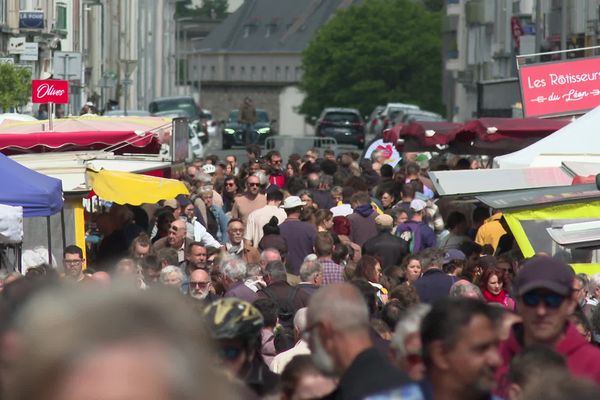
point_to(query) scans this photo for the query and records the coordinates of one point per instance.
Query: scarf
(365, 210)
(495, 298)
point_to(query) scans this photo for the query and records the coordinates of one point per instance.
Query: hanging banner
(560, 88)
(50, 91)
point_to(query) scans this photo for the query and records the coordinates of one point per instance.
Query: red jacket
(583, 358)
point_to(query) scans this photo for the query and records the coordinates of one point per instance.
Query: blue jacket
(222, 221)
(434, 285)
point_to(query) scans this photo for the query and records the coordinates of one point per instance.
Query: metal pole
(49, 231)
(126, 88)
(563, 28)
(51, 117)
(538, 25)
(62, 228)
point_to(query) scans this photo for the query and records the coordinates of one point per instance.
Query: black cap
(543, 272)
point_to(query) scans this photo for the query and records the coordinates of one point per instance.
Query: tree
(15, 86)
(378, 52)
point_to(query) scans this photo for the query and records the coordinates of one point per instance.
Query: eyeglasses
(276, 161)
(230, 353)
(72, 262)
(551, 300)
(230, 183)
(237, 230)
(198, 284)
(253, 184)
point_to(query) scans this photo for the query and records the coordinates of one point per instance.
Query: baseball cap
(384, 220)
(171, 203)
(292, 202)
(453, 254)
(418, 205)
(543, 272)
(209, 168)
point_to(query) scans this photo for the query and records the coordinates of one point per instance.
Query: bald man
(200, 285)
(176, 239)
(338, 336)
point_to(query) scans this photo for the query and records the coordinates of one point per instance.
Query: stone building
(257, 52)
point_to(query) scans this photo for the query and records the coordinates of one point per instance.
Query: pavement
(214, 147)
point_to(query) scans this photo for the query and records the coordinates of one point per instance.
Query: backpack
(411, 233)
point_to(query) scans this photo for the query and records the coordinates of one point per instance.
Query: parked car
(186, 104)
(196, 126)
(374, 123)
(234, 133)
(391, 111)
(211, 124)
(130, 113)
(418, 115)
(343, 124)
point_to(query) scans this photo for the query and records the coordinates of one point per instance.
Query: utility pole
(129, 66)
(563, 29)
(538, 27)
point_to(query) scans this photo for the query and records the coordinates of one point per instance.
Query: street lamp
(99, 3)
(129, 66)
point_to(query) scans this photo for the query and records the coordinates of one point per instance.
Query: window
(242, 73)
(264, 73)
(61, 17)
(277, 73)
(287, 73)
(253, 73)
(232, 72)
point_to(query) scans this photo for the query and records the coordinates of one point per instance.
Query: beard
(322, 360)
(198, 295)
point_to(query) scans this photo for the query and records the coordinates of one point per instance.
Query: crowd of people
(326, 276)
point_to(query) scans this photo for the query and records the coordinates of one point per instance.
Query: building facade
(482, 38)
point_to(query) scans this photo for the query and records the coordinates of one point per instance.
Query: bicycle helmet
(232, 318)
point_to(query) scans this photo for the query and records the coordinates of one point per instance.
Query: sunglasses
(230, 353)
(551, 300)
(276, 161)
(230, 184)
(253, 184)
(198, 284)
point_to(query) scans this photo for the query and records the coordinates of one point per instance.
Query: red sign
(50, 91)
(560, 88)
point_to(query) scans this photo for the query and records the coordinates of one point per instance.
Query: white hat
(292, 202)
(417, 205)
(209, 168)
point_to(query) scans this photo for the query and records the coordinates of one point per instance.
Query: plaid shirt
(332, 272)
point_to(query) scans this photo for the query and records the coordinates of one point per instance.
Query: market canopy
(82, 133)
(425, 135)
(580, 137)
(495, 136)
(135, 189)
(38, 194)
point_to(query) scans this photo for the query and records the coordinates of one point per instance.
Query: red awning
(496, 136)
(430, 133)
(135, 134)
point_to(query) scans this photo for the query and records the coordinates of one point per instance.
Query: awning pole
(49, 240)
(62, 228)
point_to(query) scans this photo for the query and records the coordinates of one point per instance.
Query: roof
(540, 197)
(265, 26)
(340, 109)
(577, 138)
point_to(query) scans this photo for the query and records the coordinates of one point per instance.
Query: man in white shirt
(259, 218)
(282, 359)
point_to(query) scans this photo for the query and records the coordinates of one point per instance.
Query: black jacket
(389, 248)
(434, 285)
(369, 373)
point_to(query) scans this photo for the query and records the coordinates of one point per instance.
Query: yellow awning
(135, 189)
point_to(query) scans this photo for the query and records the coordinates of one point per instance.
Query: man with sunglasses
(543, 290)
(250, 200)
(276, 175)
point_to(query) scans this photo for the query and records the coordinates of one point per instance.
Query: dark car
(343, 124)
(234, 133)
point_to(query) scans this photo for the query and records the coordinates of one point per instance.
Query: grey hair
(309, 268)
(234, 268)
(205, 190)
(431, 257)
(340, 304)
(86, 321)
(585, 281)
(253, 271)
(594, 282)
(170, 269)
(269, 250)
(262, 178)
(300, 319)
(408, 324)
(277, 271)
(463, 290)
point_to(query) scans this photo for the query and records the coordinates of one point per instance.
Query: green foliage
(15, 86)
(378, 52)
(216, 9)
